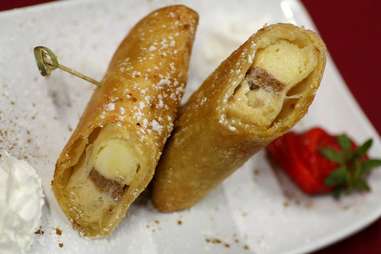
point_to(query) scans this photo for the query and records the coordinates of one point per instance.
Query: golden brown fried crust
(208, 145)
(150, 63)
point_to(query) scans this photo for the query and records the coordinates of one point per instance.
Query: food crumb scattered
(286, 204)
(157, 221)
(246, 247)
(60, 245)
(179, 222)
(257, 172)
(217, 241)
(58, 231)
(39, 231)
(213, 240)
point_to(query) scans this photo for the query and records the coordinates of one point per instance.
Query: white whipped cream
(21, 201)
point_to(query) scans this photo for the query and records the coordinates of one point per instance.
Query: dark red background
(352, 32)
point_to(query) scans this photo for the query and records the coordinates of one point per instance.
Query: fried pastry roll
(258, 93)
(112, 154)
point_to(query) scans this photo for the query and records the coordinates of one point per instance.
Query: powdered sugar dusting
(110, 106)
(156, 126)
(163, 82)
(152, 48)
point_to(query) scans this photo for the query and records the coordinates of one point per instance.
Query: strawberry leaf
(344, 142)
(332, 155)
(370, 164)
(337, 177)
(361, 185)
(351, 175)
(362, 150)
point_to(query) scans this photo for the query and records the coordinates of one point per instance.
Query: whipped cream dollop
(21, 201)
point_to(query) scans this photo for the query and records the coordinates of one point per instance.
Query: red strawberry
(319, 162)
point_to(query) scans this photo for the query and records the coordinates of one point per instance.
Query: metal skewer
(47, 62)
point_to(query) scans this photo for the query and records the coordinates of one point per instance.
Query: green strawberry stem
(354, 166)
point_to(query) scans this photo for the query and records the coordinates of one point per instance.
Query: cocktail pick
(47, 62)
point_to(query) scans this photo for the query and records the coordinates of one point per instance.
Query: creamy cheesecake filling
(277, 68)
(113, 157)
(103, 175)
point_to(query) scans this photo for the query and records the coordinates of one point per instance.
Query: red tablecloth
(352, 32)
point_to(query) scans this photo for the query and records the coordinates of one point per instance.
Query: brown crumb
(157, 221)
(39, 231)
(60, 245)
(58, 231)
(257, 172)
(236, 240)
(246, 247)
(179, 222)
(285, 204)
(69, 128)
(215, 241)
(29, 140)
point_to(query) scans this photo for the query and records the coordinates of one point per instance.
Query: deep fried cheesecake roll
(258, 93)
(111, 156)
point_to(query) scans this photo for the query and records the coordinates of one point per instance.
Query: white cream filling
(287, 63)
(112, 157)
(115, 160)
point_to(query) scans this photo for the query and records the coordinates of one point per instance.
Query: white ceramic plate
(250, 212)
